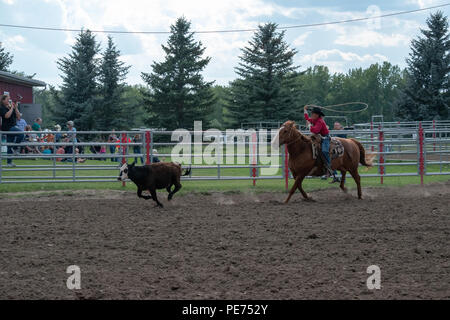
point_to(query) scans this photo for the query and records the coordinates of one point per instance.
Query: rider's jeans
(326, 151)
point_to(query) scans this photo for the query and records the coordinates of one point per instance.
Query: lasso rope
(366, 106)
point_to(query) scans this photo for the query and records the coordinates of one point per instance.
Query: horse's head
(286, 133)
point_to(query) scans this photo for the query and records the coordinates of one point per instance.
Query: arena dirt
(227, 246)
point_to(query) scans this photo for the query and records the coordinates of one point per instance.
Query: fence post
(1, 156)
(286, 168)
(434, 135)
(147, 147)
(380, 154)
(254, 157)
(152, 146)
(421, 153)
(74, 146)
(371, 137)
(124, 151)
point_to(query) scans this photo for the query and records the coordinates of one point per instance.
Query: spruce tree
(178, 94)
(426, 95)
(6, 59)
(264, 90)
(78, 96)
(109, 113)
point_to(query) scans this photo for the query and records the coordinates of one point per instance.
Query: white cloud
(10, 2)
(423, 3)
(158, 15)
(366, 38)
(15, 42)
(329, 45)
(336, 60)
(300, 40)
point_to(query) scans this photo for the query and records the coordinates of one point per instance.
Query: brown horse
(301, 162)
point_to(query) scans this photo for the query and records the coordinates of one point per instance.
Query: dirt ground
(227, 246)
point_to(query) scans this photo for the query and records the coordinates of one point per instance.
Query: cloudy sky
(340, 47)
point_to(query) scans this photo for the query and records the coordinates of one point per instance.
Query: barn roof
(16, 79)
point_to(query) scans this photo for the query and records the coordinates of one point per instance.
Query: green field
(198, 186)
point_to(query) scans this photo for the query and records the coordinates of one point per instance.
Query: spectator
(60, 151)
(21, 123)
(103, 152)
(37, 125)
(30, 137)
(9, 112)
(58, 134)
(71, 137)
(137, 149)
(50, 138)
(112, 149)
(155, 156)
(47, 151)
(338, 126)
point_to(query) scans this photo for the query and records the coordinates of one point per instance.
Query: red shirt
(318, 125)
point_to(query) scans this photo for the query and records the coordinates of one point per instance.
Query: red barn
(21, 89)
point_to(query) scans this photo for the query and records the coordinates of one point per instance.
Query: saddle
(336, 151)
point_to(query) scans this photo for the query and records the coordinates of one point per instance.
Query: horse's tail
(364, 159)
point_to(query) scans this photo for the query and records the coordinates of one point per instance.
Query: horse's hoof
(309, 200)
(344, 190)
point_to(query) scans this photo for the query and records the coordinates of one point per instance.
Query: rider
(318, 126)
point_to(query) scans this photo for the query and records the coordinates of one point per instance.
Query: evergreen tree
(6, 59)
(178, 93)
(110, 111)
(264, 90)
(78, 96)
(426, 95)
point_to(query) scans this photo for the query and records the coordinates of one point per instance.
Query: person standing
(72, 137)
(112, 148)
(58, 135)
(9, 112)
(138, 149)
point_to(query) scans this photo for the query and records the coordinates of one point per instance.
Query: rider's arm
(305, 112)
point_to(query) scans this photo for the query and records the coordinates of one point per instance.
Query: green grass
(277, 185)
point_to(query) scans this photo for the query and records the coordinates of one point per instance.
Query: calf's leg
(155, 198)
(139, 194)
(177, 187)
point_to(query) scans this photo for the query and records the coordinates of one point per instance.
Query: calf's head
(124, 171)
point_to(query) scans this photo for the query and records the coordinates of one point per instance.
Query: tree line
(268, 87)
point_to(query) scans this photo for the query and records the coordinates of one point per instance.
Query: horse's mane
(303, 137)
